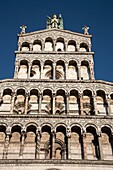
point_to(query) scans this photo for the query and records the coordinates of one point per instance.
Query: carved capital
(68, 131)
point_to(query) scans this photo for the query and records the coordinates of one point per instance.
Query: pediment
(54, 34)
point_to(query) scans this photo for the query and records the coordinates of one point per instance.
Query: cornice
(54, 52)
(56, 162)
(56, 81)
(85, 117)
(54, 30)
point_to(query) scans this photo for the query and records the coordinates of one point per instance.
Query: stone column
(108, 104)
(79, 72)
(54, 71)
(23, 134)
(53, 143)
(68, 134)
(6, 145)
(78, 47)
(91, 71)
(16, 69)
(67, 103)
(19, 46)
(29, 71)
(53, 103)
(26, 103)
(100, 146)
(66, 70)
(43, 45)
(42, 65)
(95, 105)
(81, 103)
(66, 46)
(31, 47)
(54, 43)
(40, 103)
(84, 145)
(38, 138)
(12, 102)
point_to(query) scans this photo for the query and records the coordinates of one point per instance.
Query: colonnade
(54, 45)
(54, 70)
(59, 102)
(69, 142)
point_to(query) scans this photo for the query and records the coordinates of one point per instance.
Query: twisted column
(38, 138)
(6, 145)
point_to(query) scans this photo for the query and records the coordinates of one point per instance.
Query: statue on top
(54, 22)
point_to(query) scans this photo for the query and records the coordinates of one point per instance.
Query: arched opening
(72, 70)
(107, 143)
(14, 144)
(76, 143)
(2, 140)
(71, 46)
(92, 144)
(85, 73)
(46, 143)
(35, 70)
(23, 69)
(48, 44)
(60, 46)
(6, 101)
(25, 46)
(19, 104)
(60, 102)
(30, 143)
(33, 102)
(74, 103)
(46, 107)
(60, 143)
(101, 102)
(88, 103)
(48, 70)
(37, 45)
(60, 70)
(84, 47)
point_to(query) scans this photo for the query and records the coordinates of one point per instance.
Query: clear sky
(97, 14)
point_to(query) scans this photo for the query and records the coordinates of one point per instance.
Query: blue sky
(97, 14)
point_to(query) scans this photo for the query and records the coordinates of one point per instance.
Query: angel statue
(54, 22)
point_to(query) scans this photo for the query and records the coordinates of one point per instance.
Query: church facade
(54, 115)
